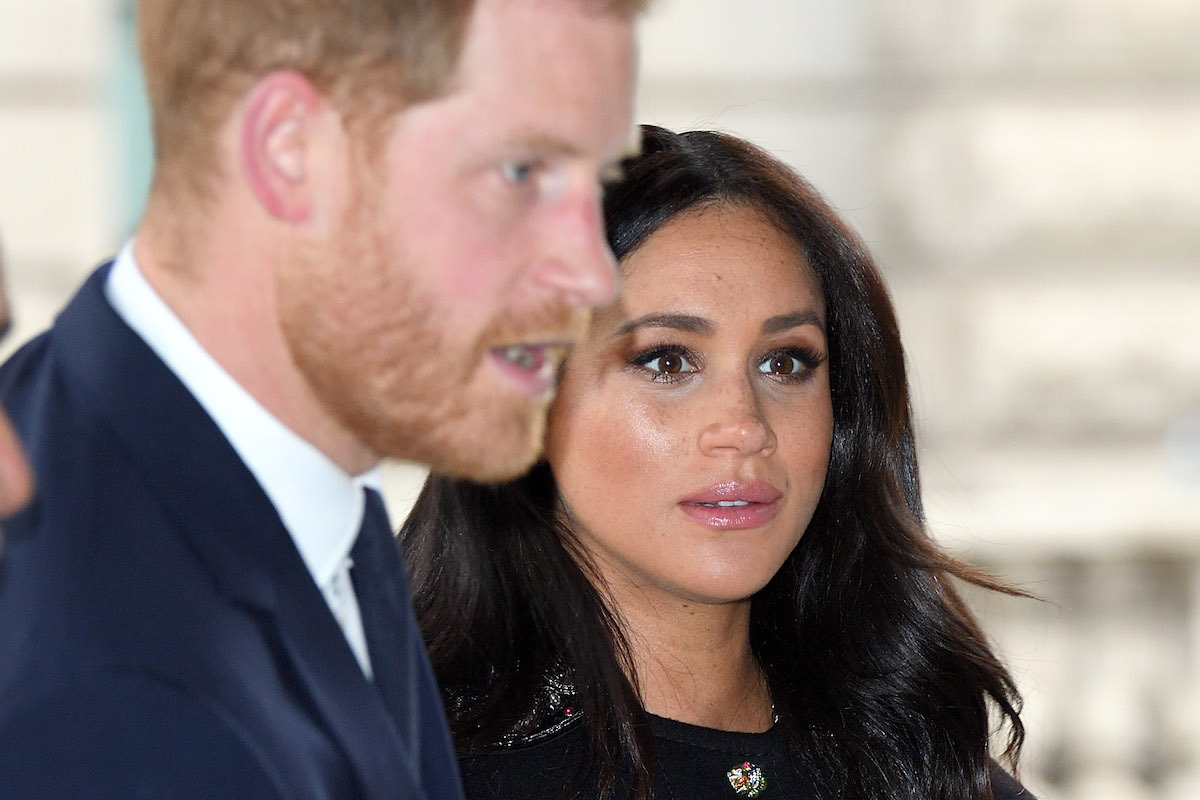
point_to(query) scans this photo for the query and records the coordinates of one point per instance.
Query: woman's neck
(694, 663)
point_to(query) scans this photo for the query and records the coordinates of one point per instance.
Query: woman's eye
(781, 364)
(668, 363)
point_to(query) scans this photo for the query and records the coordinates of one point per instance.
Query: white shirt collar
(320, 504)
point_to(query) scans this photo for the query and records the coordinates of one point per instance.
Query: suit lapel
(230, 525)
(378, 579)
(350, 705)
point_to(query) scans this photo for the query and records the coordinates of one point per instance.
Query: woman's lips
(733, 505)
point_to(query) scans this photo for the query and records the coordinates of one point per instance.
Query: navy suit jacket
(160, 636)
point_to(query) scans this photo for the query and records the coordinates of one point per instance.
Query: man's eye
(518, 172)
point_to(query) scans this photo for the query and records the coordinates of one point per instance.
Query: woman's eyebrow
(680, 322)
(795, 319)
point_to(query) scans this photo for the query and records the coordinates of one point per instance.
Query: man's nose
(576, 262)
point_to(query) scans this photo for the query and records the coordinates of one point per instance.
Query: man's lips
(526, 356)
(733, 505)
(530, 364)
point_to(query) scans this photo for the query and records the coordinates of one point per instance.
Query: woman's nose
(736, 424)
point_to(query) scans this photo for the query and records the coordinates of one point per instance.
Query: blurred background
(1028, 174)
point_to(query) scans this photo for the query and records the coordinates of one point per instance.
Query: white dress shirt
(320, 504)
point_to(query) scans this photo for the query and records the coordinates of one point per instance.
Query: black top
(691, 763)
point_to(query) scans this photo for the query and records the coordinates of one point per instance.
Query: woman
(718, 583)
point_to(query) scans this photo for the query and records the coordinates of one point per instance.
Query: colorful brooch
(747, 779)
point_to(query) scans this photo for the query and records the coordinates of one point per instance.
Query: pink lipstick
(733, 505)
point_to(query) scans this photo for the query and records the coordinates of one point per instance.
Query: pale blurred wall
(1028, 174)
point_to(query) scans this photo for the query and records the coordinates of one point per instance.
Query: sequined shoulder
(553, 710)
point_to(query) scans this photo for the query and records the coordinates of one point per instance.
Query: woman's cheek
(655, 438)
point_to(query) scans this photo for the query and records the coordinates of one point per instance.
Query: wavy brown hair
(897, 688)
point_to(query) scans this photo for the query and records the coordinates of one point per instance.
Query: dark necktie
(378, 579)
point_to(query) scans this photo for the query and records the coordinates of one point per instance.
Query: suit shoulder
(18, 368)
(35, 392)
(124, 734)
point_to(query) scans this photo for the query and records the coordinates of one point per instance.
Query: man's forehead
(562, 91)
(512, 34)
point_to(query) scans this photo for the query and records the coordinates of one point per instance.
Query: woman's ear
(276, 126)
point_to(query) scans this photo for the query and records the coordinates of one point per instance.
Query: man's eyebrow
(795, 319)
(547, 144)
(543, 144)
(680, 322)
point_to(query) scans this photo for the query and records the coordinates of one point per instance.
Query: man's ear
(276, 128)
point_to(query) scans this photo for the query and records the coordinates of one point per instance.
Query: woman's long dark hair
(880, 674)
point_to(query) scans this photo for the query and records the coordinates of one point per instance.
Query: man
(373, 229)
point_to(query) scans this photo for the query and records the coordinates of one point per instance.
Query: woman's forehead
(730, 254)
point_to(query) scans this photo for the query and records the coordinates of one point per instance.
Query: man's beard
(379, 359)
